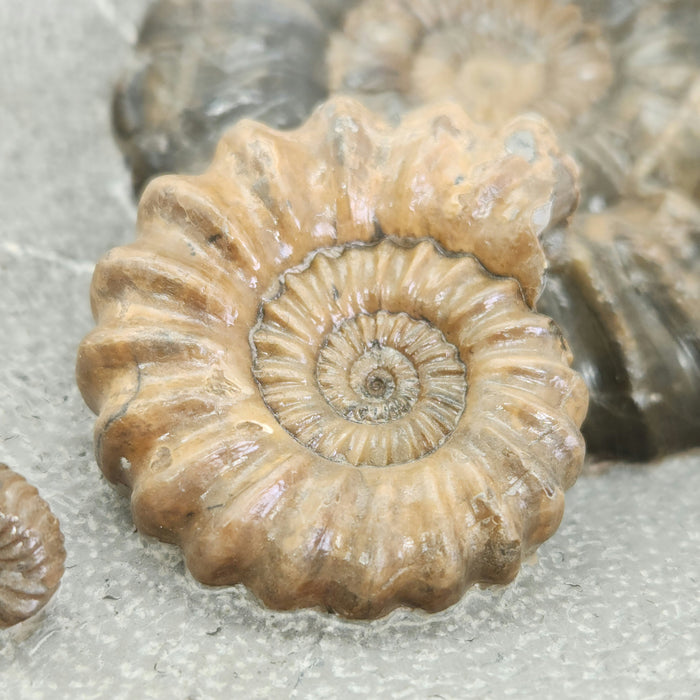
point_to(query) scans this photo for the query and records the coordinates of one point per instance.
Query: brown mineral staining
(31, 550)
(319, 385)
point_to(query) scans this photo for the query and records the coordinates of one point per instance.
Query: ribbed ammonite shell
(657, 102)
(624, 285)
(312, 385)
(31, 550)
(497, 58)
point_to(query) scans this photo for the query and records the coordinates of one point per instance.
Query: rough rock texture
(609, 610)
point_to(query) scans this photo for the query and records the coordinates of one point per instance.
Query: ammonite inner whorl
(311, 383)
(348, 372)
(31, 550)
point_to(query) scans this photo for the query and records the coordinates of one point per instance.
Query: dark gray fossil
(624, 287)
(202, 65)
(623, 282)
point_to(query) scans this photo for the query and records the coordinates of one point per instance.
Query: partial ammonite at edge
(496, 58)
(321, 335)
(31, 550)
(624, 285)
(200, 66)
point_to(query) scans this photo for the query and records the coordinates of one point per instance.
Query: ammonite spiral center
(348, 379)
(379, 384)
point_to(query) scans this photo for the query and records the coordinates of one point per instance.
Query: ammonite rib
(31, 550)
(300, 348)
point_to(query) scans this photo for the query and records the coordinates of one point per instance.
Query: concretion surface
(610, 609)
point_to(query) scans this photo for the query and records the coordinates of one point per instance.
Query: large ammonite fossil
(632, 142)
(311, 383)
(31, 550)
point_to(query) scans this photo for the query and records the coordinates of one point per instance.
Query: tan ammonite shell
(31, 550)
(496, 58)
(311, 384)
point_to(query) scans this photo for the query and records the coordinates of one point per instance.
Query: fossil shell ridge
(624, 285)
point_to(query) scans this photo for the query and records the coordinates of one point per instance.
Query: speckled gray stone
(610, 609)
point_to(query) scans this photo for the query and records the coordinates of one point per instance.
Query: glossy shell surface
(31, 550)
(625, 287)
(311, 340)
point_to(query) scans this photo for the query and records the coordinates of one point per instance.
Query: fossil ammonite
(497, 58)
(625, 287)
(201, 66)
(311, 383)
(622, 88)
(31, 550)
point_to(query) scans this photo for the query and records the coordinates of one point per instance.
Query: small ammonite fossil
(311, 383)
(31, 550)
